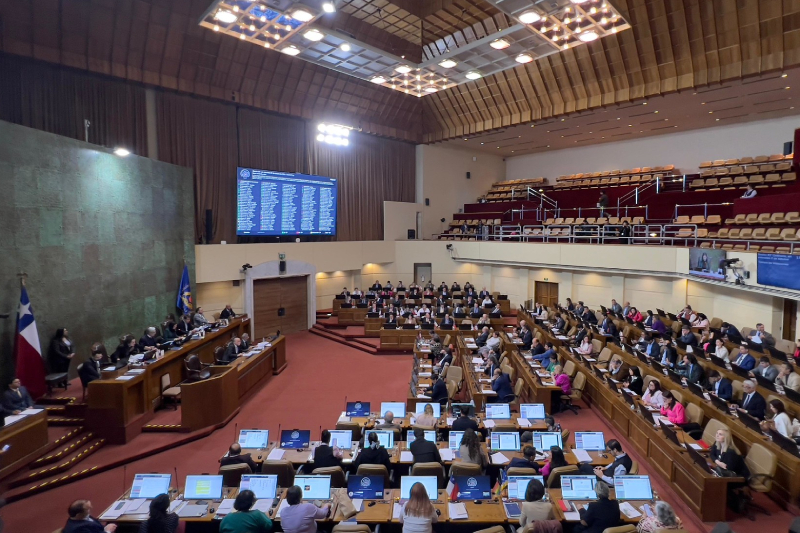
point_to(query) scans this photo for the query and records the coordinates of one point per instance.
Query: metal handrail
(705, 207)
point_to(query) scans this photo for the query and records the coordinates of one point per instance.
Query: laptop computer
(148, 486)
(295, 439)
(316, 488)
(357, 409)
(265, 488)
(365, 487)
(633, 488)
(472, 487)
(590, 440)
(578, 487)
(254, 438)
(429, 482)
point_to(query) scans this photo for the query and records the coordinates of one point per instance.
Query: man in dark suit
(90, 370)
(16, 399)
(501, 384)
(719, 386)
(424, 451)
(689, 368)
(752, 402)
(233, 350)
(235, 457)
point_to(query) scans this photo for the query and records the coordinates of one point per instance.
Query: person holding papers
(160, 519)
(557, 460)
(248, 519)
(16, 399)
(424, 451)
(621, 466)
(599, 515)
(299, 517)
(672, 409)
(418, 514)
(533, 508)
(470, 450)
(373, 454)
(81, 520)
(501, 384)
(235, 457)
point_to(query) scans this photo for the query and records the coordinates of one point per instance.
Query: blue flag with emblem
(184, 302)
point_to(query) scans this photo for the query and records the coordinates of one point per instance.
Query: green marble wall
(102, 239)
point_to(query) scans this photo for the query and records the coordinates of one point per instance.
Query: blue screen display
(282, 203)
(779, 270)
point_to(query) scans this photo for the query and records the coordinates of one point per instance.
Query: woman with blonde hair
(418, 513)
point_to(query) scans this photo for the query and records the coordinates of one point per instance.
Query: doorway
(280, 304)
(422, 273)
(546, 293)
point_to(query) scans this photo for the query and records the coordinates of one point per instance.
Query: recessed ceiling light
(524, 58)
(302, 15)
(378, 79)
(403, 69)
(225, 16)
(448, 63)
(529, 17)
(314, 35)
(588, 36)
(290, 50)
(473, 75)
(499, 44)
(328, 7)
(345, 47)
(432, 89)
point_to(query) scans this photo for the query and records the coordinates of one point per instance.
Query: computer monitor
(590, 440)
(517, 485)
(502, 440)
(202, 488)
(254, 438)
(473, 487)
(544, 440)
(498, 410)
(633, 488)
(341, 438)
(357, 409)
(578, 487)
(532, 411)
(455, 437)
(430, 483)
(150, 485)
(314, 487)
(437, 408)
(398, 409)
(430, 435)
(385, 438)
(295, 438)
(365, 487)
(264, 486)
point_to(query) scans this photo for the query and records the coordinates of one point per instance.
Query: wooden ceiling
(674, 45)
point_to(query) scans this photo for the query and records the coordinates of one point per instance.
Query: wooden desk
(26, 439)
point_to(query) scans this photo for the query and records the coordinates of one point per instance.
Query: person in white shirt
(721, 351)
(780, 421)
(652, 396)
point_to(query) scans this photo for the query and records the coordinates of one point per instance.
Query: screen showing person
(385, 438)
(472, 487)
(590, 440)
(398, 409)
(707, 262)
(295, 438)
(517, 485)
(150, 485)
(365, 487)
(501, 440)
(455, 437)
(544, 440)
(532, 411)
(264, 486)
(430, 435)
(437, 409)
(314, 487)
(341, 438)
(498, 410)
(429, 482)
(578, 487)
(357, 409)
(633, 488)
(253, 438)
(203, 488)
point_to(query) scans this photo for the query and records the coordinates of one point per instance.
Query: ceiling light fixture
(473, 75)
(314, 35)
(290, 50)
(328, 7)
(588, 36)
(499, 44)
(225, 16)
(524, 58)
(529, 17)
(448, 63)
(302, 15)
(378, 79)
(403, 69)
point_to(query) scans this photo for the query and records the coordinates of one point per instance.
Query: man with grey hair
(752, 402)
(148, 340)
(600, 514)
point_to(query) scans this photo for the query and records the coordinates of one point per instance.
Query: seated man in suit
(148, 340)
(744, 360)
(227, 313)
(233, 350)
(690, 369)
(765, 369)
(719, 386)
(235, 457)
(424, 451)
(90, 370)
(752, 402)
(687, 337)
(16, 399)
(501, 384)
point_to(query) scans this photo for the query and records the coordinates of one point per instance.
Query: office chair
(337, 475)
(554, 479)
(465, 469)
(195, 370)
(281, 468)
(232, 474)
(169, 393)
(429, 469)
(375, 470)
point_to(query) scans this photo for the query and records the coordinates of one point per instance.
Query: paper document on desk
(116, 510)
(488, 423)
(406, 457)
(582, 455)
(457, 511)
(276, 454)
(500, 459)
(397, 511)
(629, 510)
(524, 422)
(477, 360)
(226, 507)
(446, 454)
(284, 504)
(572, 516)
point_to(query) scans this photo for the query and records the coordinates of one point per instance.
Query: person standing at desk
(81, 520)
(299, 517)
(252, 520)
(61, 351)
(235, 457)
(424, 451)
(160, 519)
(373, 454)
(16, 399)
(600, 514)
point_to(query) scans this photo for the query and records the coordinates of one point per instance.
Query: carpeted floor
(311, 392)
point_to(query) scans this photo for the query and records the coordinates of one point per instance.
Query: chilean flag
(27, 351)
